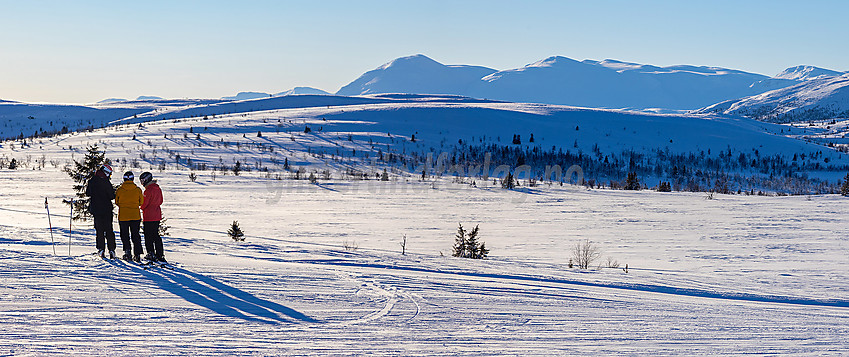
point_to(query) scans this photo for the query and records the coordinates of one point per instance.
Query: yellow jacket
(129, 197)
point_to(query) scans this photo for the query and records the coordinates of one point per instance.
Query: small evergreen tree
(460, 242)
(13, 165)
(632, 182)
(664, 187)
(844, 189)
(235, 232)
(80, 173)
(163, 227)
(384, 176)
(237, 168)
(508, 182)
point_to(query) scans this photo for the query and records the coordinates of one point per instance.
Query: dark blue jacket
(102, 193)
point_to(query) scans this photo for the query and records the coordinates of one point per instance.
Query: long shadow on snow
(223, 299)
(661, 289)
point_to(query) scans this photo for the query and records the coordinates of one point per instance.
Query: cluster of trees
(467, 244)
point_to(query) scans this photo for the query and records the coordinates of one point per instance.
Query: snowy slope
(815, 99)
(440, 120)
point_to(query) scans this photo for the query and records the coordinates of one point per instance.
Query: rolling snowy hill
(324, 132)
(820, 98)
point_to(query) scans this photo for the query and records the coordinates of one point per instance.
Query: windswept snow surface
(730, 275)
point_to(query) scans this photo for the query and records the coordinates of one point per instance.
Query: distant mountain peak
(302, 90)
(149, 97)
(247, 95)
(416, 74)
(554, 61)
(806, 73)
(411, 61)
(111, 100)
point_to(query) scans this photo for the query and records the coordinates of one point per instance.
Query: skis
(146, 264)
(151, 265)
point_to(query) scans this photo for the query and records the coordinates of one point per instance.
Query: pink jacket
(152, 201)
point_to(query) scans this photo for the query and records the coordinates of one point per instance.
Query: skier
(152, 216)
(129, 198)
(100, 206)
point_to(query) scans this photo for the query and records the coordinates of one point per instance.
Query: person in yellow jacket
(129, 198)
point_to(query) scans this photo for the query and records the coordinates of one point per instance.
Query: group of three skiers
(130, 200)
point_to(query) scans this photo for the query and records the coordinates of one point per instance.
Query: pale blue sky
(85, 51)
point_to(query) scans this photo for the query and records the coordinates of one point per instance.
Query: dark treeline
(725, 172)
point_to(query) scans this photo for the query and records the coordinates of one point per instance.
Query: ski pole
(70, 223)
(51, 225)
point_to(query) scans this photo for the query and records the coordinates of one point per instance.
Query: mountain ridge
(562, 80)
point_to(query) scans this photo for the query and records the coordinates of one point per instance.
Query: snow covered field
(735, 274)
(321, 270)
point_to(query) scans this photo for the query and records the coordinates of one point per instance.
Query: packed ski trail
(749, 275)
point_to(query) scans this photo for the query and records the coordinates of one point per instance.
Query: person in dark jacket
(100, 206)
(151, 215)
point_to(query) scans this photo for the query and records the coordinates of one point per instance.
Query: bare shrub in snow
(350, 246)
(585, 253)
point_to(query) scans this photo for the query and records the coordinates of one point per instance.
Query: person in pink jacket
(151, 215)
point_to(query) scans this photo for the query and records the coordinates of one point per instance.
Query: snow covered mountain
(111, 100)
(806, 73)
(417, 74)
(587, 83)
(149, 97)
(615, 84)
(821, 97)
